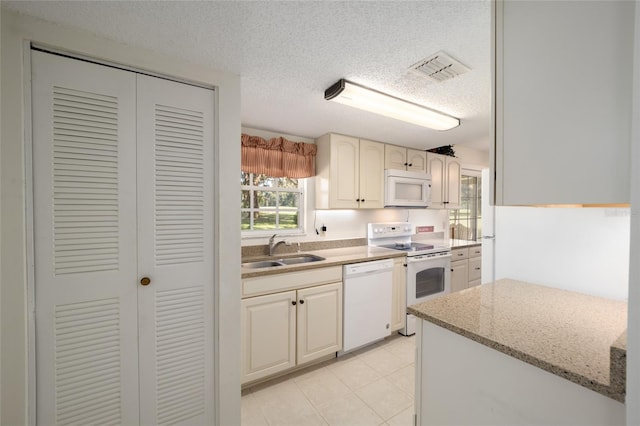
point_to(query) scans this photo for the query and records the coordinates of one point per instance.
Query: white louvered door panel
(175, 243)
(85, 241)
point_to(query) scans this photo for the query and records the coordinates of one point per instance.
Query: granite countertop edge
(614, 389)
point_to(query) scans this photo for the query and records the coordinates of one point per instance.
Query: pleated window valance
(278, 157)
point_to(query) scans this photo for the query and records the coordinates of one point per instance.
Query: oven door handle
(424, 258)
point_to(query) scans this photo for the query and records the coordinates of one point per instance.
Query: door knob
(145, 281)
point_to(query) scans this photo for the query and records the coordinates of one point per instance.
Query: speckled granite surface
(333, 257)
(576, 336)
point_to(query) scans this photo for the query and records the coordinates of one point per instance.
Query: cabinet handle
(477, 269)
(301, 302)
(452, 270)
(410, 164)
(358, 199)
(362, 200)
(293, 302)
(145, 281)
(407, 164)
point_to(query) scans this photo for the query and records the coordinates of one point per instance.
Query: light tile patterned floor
(370, 387)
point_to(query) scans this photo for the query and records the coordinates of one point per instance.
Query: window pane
(289, 219)
(263, 220)
(245, 199)
(264, 199)
(245, 178)
(289, 199)
(264, 180)
(287, 182)
(245, 220)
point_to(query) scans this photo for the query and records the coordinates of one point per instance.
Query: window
(465, 223)
(271, 204)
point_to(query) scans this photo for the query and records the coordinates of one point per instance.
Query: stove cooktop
(408, 247)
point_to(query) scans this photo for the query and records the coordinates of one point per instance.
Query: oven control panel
(386, 230)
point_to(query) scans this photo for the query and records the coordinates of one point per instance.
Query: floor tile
(355, 373)
(384, 361)
(349, 411)
(322, 388)
(285, 404)
(385, 398)
(251, 413)
(404, 379)
(405, 418)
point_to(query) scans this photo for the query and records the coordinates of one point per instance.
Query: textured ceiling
(288, 53)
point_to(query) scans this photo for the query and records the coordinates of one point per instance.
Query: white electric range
(428, 265)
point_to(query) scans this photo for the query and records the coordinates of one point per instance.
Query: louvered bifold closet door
(85, 242)
(175, 243)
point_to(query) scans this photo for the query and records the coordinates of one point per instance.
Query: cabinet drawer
(475, 251)
(256, 286)
(459, 254)
(475, 268)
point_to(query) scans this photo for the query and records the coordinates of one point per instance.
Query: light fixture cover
(357, 96)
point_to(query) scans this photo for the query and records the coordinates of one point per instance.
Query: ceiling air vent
(439, 67)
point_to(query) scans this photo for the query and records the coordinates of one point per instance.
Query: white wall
(16, 385)
(578, 249)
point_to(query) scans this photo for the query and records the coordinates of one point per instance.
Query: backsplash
(263, 250)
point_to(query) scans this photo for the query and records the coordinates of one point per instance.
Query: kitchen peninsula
(516, 353)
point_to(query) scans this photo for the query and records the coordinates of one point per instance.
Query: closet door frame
(27, 47)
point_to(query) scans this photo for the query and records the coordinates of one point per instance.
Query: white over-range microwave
(406, 189)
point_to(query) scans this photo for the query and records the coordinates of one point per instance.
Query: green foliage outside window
(269, 203)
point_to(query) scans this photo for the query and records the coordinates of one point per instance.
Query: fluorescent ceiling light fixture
(357, 96)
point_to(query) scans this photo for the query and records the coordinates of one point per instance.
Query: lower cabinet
(459, 275)
(466, 268)
(285, 329)
(399, 294)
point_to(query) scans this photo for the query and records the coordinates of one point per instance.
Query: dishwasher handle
(368, 267)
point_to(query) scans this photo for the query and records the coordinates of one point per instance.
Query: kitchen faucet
(272, 245)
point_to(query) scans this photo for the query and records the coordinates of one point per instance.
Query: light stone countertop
(463, 243)
(333, 257)
(576, 336)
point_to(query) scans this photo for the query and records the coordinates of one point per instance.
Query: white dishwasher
(367, 302)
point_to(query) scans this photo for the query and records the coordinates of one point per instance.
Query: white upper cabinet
(445, 181)
(349, 173)
(400, 158)
(562, 101)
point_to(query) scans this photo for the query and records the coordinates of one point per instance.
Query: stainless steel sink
(262, 264)
(290, 260)
(303, 258)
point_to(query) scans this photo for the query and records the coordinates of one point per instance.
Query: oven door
(428, 277)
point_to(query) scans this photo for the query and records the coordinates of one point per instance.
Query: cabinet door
(436, 167)
(371, 174)
(459, 275)
(475, 268)
(268, 333)
(84, 163)
(175, 250)
(416, 160)
(395, 157)
(552, 136)
(344, 172)
(452, 176)
(319, 321)
(399, 295)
